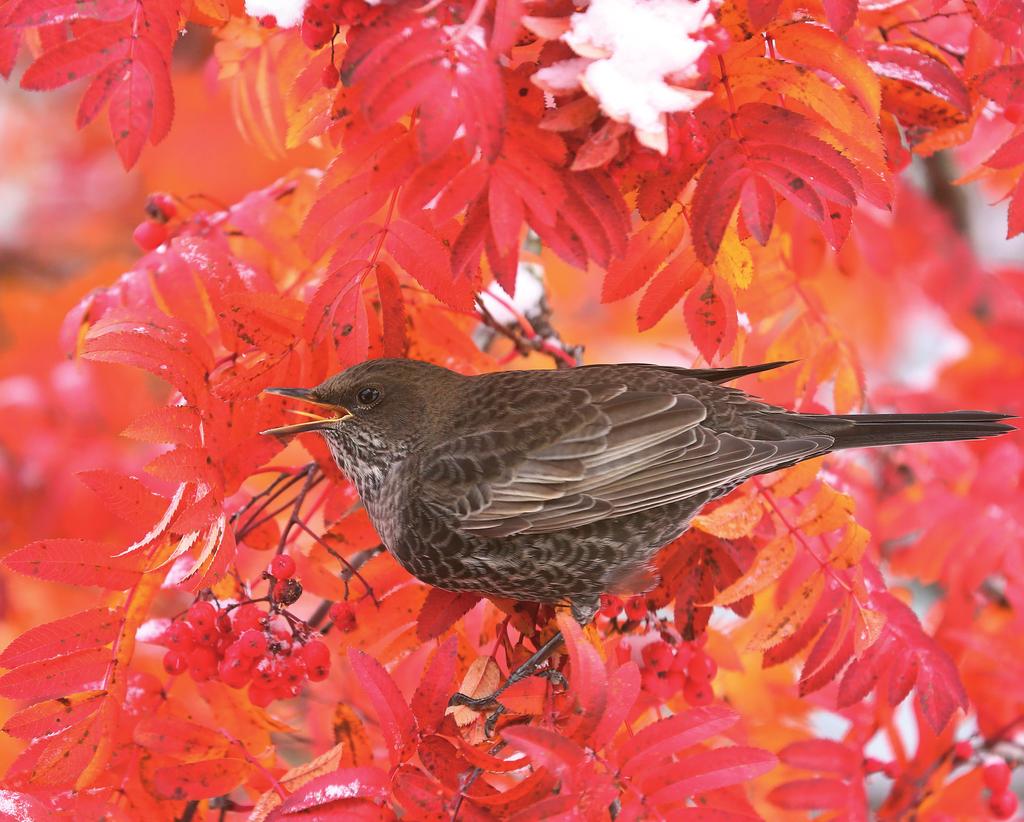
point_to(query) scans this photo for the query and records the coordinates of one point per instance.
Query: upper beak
(315, 423)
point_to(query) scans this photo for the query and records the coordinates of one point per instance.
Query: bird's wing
(592, 453)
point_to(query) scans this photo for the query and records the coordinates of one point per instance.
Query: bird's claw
(477, 703)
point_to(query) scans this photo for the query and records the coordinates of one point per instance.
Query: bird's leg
(527, 669)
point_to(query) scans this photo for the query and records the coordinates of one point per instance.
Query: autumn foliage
(202, 624)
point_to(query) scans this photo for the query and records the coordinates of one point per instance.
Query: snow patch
(288, 13)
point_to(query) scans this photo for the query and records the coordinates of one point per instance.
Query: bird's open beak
(315, 421)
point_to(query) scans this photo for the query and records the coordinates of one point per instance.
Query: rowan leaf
(54, 715)
(733, 519)
(769, 564)
(179, 737)
(707, 771)
(47, 678)
(441, 610)
(711, 316)
(432, 694)
(671, 735)
(423, 256)
(201, 780)
(76, 562)
(589, 681)
(667, 289)
(344, 783)
(396, 719)
(791, 616)
(86, 629)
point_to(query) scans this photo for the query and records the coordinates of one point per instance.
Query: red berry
(180, 637)
(248, 616)
(235, 670)
(698, 692)
(996, 776)
(224, 623)
(317, 29)
(611, 606)
(702, 667)
(252, 643)
(658, 655)
(636, 608)
(202, 663)
(282, 567)
(260, 696)
(286, 591)
(268, 21)
(1003, 804)
(684, 653)
(344, 616)
(317, 658)
(175, 662)
(202, 614)
(292, 672)
(963, 749)
(330, 76)
(149, 234)
(161, 207)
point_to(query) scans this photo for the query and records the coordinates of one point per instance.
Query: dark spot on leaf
(346, 329)
(796, 184)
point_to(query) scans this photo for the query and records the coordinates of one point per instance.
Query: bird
(558, 486)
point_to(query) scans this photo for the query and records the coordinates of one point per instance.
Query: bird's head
(386, 401)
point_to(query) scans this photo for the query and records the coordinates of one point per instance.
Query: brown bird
(558, 486)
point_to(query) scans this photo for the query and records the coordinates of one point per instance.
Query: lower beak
(315, 423)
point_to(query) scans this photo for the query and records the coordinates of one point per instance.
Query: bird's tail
(864, 430)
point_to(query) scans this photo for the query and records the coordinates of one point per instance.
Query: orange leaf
(732, 520)
(828, 511)
(482, 679)
(768, 566)
(791, 616)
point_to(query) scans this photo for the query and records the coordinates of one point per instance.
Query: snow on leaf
(627, 50)
(344, 783)
(76, 562)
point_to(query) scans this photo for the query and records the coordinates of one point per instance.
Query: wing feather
(590, 454)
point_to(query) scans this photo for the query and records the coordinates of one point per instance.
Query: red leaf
(76, 562)
(425, 258)
(911, 71)
(706, 771)
(715, 198)
(645, 253)
(588, 682)
(87, 629)
(623, 690)
(344, 783)
(397, 722)
(201, 780)
(392, 309)
(48, 12)
(552, 750)
(822, 755)
(325, 302)
(1009, 154)
(667, 288)
(1004, 84)
(840, 14)
(506, 211)
(711, 316)
(504, 32)
(757, 206)
(1015, 220)
(671, 735)
(53, 715)
(811, 794)
(77, 58)
(762, 12)
(177, 424)
(431, 697)
(125, 496)
(441, 610)
(178, 737)
(48, 678)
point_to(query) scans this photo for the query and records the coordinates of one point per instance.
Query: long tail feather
(864, 430)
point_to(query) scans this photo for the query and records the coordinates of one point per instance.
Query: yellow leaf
(732, 520)
(768, 566)
(828, 511)
(350, 736)
(796, 479)
(818, 47)
(791, 617)
(851, 547)
(734, 262)
(869, 628)
(846, 391)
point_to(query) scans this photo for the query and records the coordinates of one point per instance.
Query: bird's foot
(527, 669)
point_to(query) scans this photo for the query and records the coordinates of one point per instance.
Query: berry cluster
(635, 608)
(668, 669)
(322, 18)
(242, 644)
(152, 232)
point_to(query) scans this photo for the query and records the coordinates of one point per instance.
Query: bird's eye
(368, 396)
